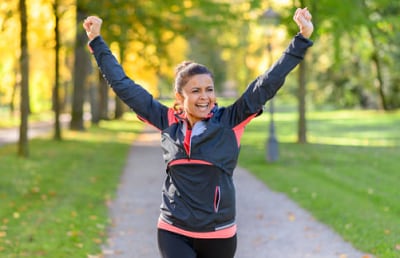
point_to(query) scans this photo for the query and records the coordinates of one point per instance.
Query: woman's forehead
(200, 80)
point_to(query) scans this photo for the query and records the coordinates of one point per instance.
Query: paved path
(269, 224)
(36, 129)
(11, 135)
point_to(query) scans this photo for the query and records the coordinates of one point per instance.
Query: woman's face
(197, 97)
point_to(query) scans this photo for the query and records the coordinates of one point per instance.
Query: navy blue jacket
(198, 194)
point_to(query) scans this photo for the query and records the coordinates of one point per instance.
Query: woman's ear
(178, 105)
(178, 97)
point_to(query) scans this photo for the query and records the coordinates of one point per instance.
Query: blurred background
(353, 63)
(348, 84)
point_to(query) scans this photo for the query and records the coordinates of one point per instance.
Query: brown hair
(186, 70)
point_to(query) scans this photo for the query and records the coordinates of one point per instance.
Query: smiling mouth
(203, 107)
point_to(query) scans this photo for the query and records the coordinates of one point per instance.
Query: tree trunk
(381, 93)
(23, 146)
(81, 68)
(302, 122)
(302, 127)
(377, 62)
(119, 108)
(103, 101)
(119, 104)
(56, 96)
(94, 103)
(17, 85)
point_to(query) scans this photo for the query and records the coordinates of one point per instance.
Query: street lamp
(270, 18)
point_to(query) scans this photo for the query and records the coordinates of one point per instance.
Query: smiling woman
(200, 143)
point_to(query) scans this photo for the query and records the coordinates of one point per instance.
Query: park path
(11, 135)
(36, 129)
(269, 224)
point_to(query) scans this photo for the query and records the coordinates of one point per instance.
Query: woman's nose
(203, 95)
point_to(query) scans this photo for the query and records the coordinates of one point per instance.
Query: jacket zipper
(217, 198)
(187, 142)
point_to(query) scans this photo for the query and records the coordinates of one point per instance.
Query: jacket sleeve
(135, 96)
(265, 86)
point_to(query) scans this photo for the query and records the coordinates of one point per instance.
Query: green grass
(347, 176)
(54, 204)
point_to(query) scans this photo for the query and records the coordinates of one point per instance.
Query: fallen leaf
(108, 252)
(291, 216)
(35, 189)
(94, 256)
(397, 247)
(260, 216)
(97, 240)
(3, 234)
(52, 193)
(314, 195)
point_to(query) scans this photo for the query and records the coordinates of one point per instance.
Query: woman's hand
(303, 19)
(92, 25)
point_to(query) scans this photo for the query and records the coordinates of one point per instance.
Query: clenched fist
(303, 19)
(92, 25)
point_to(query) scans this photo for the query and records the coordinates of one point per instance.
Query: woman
(200, 143)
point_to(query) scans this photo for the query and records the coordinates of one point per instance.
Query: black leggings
(172, 245)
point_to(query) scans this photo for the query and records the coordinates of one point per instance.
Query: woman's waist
(223, 231)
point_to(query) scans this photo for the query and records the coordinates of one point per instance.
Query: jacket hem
(227, 231)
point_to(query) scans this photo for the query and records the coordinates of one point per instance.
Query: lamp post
(270, 18)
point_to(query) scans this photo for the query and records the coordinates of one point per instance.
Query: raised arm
(265, 86)
(135, 96)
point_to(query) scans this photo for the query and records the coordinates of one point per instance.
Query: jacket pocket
(217, 198)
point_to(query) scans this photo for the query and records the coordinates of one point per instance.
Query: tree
(82, 65)
(23, 146)
(362, 53)
(381, 25)
(302, 83)
(56, 92)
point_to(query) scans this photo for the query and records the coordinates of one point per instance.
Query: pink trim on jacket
(189, 161)
(222, 233)
(239, 129)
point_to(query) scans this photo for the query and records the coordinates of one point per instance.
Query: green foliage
(54, 203)
(361, 39)
(347, 177)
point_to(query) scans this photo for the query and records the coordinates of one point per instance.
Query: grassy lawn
(53, 204)
(347, 176)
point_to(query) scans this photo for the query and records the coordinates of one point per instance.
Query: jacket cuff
(95, 42)
(298, 47)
